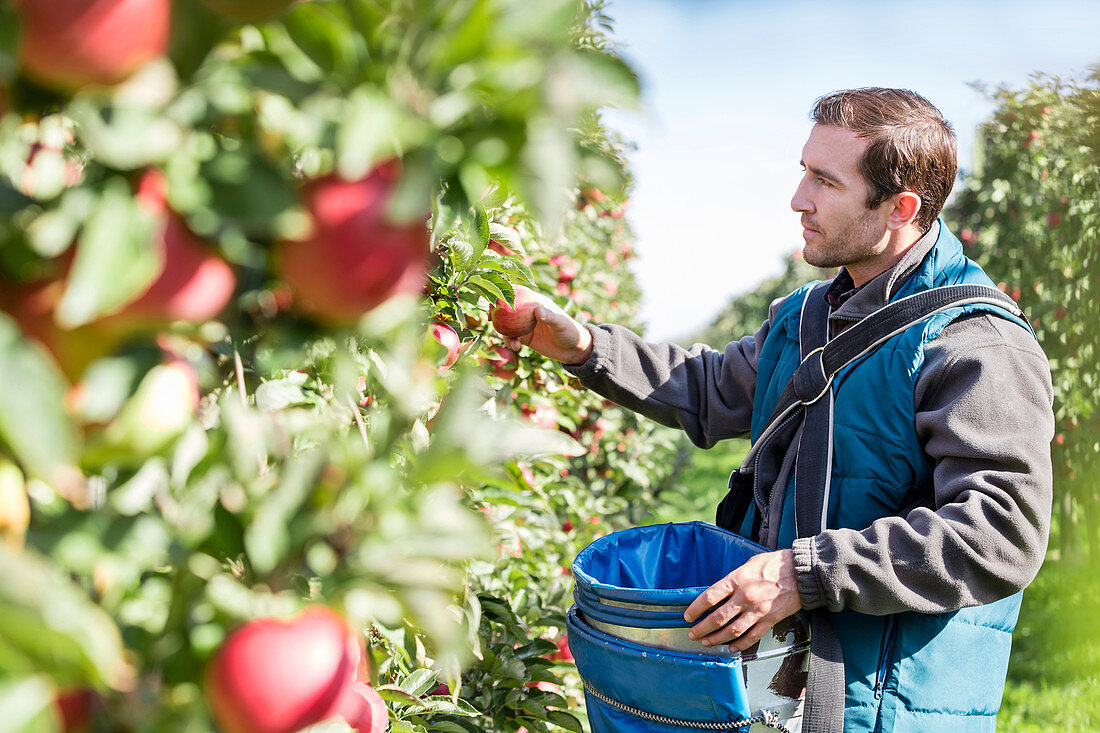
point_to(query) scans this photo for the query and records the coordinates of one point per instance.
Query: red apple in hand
(517, 319)
(68, 44)
(356, 257)
(364, 709)
(278, 676)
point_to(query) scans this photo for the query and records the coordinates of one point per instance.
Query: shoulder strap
(820, 364)
(810, 389)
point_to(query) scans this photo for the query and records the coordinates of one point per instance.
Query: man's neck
(897, 243)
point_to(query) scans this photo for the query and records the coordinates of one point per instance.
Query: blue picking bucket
(642, 674)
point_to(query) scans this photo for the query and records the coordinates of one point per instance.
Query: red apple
(74, 708)
(505, 363)
(68, 44)
(194, 284)
(356, 257)
(364, 709)
(544, 417)
(448, 339)
(247, 10)
(543, 685)
(528, 475)
(567, 526)
(1054, 219)
(563, 654)
(567, 269)
(594, 196)
(278, 676)
(518, 319)
(159, 411)
(32, 306)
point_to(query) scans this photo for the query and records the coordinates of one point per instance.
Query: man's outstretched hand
(538, 322)
(747, 602)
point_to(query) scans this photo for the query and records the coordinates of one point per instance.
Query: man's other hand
(538, 322)
(747, 602)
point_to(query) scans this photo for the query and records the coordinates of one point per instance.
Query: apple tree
(247, 253)
(1027, 211)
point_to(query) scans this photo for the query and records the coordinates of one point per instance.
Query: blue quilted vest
(908, 671)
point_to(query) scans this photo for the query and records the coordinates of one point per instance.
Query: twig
(359, 421)
(240, 377)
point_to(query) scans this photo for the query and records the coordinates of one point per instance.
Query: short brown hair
(912, 147)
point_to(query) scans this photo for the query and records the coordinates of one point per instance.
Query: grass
(1054, 672)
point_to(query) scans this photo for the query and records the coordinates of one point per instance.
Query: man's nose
(800, 202)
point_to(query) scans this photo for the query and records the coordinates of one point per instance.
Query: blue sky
(726, 89)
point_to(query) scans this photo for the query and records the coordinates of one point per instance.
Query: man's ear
(905, 210)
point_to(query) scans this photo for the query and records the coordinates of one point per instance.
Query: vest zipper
(889, 634)
(761, 501)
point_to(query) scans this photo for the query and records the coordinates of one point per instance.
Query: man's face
(838, 228)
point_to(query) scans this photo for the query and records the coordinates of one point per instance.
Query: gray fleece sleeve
(984, 419)
(706, 392)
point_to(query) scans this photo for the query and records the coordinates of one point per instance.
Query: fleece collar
(878, 291)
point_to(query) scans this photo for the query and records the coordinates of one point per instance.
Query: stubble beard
(855, 243)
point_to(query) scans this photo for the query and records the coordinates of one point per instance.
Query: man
(939, 510)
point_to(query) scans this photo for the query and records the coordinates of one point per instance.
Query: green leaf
(55, 625)
(279, 393)
(599, 79)
(509, 265)
(247, 188)
(247, 433)
(550, 162)
(419, 682)
(26, 705)
(462, 254)
(444, 704)
(125, 137)
(403, 726)
(447, 726)
(323, 36)
(267, 537)
(393, 693)
(502, 284)
(33, 421)
(491, 292)
(367, 131)
(481, 241)
(108, 382)
(466, 39)
(115, 258)
(507, 236)
(565, 720)
(445, 215)
(536, 648)
(549, 20)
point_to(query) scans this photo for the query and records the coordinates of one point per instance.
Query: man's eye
(825, 183)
